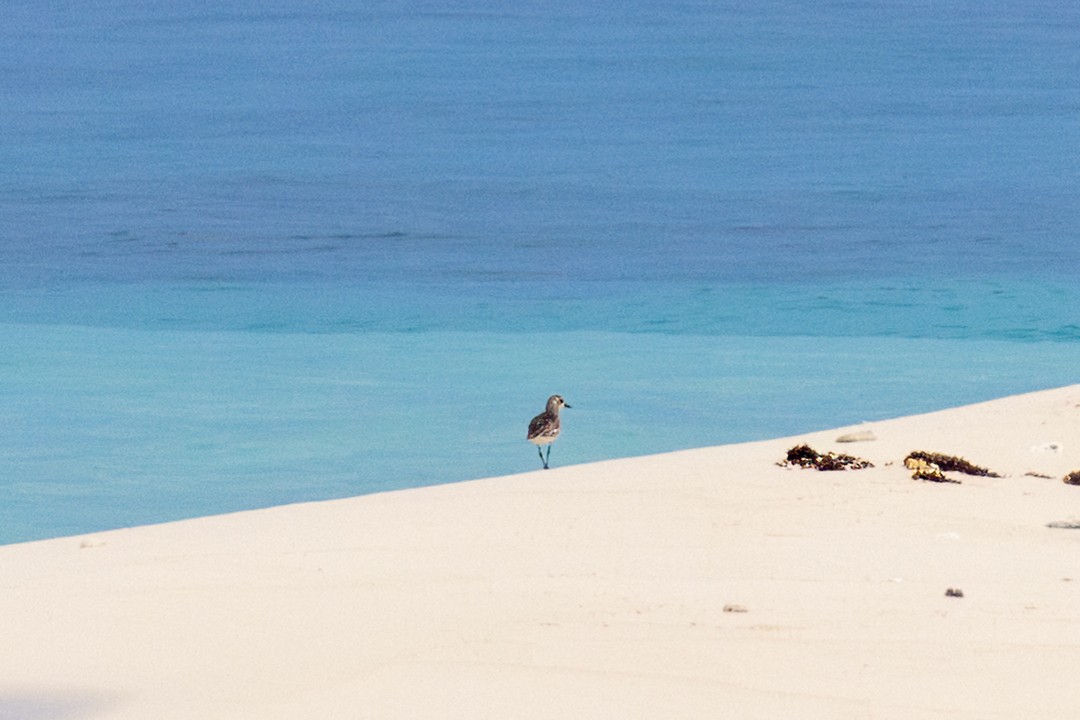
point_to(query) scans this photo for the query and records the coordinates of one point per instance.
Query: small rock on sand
(860, 436)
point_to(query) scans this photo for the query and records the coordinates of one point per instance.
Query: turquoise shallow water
(112, 427)
(270, 252)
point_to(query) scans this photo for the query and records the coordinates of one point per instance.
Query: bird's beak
(565, 404)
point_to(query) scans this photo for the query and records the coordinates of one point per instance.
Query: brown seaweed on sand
(807, 457)
(922, 470)
(1073, 478)
(949, 463)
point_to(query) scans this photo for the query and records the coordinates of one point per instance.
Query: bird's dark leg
(539, 450)
(548, 457)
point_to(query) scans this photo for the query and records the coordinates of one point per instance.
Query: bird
(544, 428)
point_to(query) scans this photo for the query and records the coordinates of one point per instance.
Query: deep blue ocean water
(262, 252)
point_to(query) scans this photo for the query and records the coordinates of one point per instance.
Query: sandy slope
(595, 591)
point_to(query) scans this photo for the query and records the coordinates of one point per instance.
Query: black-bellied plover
(544, 428)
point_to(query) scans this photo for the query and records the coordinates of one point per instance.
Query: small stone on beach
(861, 436)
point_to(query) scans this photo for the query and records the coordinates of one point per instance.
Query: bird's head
(556, 403)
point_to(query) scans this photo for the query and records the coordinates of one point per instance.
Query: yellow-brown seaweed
(950, 463)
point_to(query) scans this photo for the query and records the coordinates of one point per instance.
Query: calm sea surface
(263, 252)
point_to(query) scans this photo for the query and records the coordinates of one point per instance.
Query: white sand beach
(710, 583)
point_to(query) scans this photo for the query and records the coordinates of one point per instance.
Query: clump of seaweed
(807, 457)
(923, 470)
(1073, 478)
(950, 463)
